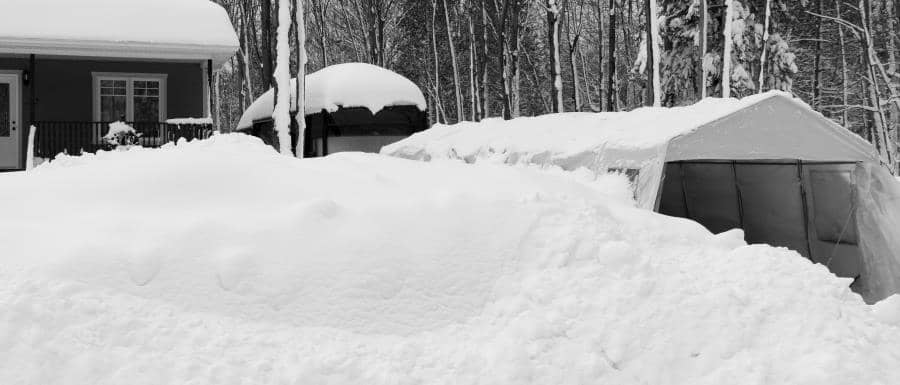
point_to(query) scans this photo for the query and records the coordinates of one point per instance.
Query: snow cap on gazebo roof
(134, 29)
(344, 85)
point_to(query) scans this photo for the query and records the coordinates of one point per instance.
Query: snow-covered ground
(221, 262)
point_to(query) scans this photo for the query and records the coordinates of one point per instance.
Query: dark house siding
(65, 87)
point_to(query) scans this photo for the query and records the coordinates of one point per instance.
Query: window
(834, 212)
(129, 97)
(5, 105)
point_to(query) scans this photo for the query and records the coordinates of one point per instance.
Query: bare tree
(553, 11)
(460, 113)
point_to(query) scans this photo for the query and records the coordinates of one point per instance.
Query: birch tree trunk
(654, 90)
(765, 45)
(556, 86)
(704, 24)
(845, 95)
(484, 65)
(611, 89)
(460, 108)
(282, 114)
(474, 105)
(300, 91)
(437, 63)
(726, 55)
(817, 63)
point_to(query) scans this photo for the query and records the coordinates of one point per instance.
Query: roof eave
(219, 54)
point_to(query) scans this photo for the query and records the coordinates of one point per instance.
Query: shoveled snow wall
(249, 267)
(769, 126)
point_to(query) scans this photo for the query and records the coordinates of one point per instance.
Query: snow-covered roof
(344, 85)
(575, 135)
(142, 29)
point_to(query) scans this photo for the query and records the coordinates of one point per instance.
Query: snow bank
(189, 121)
(344, 85)
(570, 140)
(250, 267)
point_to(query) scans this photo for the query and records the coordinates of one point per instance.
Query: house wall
(64, 87)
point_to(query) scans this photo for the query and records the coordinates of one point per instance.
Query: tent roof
(344, 85)
(574, 139)
(128, 29)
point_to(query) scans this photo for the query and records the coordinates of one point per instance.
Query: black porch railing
(74, 138)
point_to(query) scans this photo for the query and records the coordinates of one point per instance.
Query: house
(69, 68)
(767, 164)
(349, 107)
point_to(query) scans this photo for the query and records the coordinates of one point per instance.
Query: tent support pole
(740, 198)
(804, 200)
(687, 211)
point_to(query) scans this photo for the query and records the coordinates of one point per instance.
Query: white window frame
(129, 79)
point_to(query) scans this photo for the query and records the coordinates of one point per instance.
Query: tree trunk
(817, 61)
(281, 114)
(611, 89)
(576, 81)
(653, 80)
(300, 90)
(765, 45)
(704, 24)
(474, 105)
(845, 119)
(266, 19)
(460, 108)
(601, 88)
(726, 55)
(484, 68)
(556, 86)
(434, 50)
(882, 144)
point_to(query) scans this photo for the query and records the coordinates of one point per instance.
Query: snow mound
(344, 85)
(221, 261)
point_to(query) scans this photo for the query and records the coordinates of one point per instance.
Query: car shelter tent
(767, 164)
(349, 107)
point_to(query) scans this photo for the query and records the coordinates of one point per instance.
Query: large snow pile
(221, 262)
(344, 85)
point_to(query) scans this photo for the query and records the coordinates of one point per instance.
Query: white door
(10, 122)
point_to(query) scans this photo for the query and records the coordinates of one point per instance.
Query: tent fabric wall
(878, 221)
(775, 202)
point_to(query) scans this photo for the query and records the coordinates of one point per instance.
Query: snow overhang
(219, 54)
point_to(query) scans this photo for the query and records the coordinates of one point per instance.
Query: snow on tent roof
(344, 85)
(151, 29)
(571, 140)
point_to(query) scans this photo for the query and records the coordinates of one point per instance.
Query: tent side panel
(878, 221)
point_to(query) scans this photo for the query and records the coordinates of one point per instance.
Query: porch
(71, 100)
(73, 138)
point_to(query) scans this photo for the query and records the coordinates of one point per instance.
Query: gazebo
(349, 107)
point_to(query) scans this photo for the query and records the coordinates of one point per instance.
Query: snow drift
(223, 262)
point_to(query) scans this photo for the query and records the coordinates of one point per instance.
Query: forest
(477, 59)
